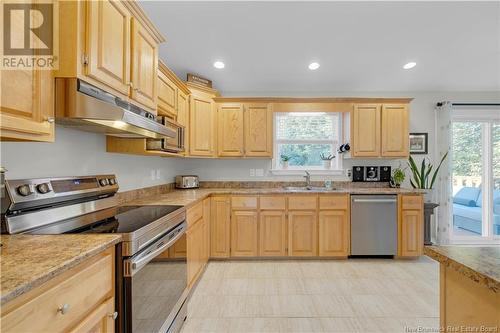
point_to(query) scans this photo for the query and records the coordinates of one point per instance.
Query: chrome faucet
(308, 180)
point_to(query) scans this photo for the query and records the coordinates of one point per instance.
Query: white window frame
(487, 118)
(315, 170)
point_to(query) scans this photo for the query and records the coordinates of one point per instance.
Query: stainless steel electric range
(151, 285)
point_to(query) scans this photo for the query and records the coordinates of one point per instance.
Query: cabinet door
(244, 228)
(206, 220)
(258, 130)
(220, 212)
(230, 130)
(365, 130)
(302, 233)
(27, 105)
(100, 320)
(144, 66)
(167, 96)
(182, 108)
(193, 251)
(108, 44)
(395, 130)
(201, 127)
(273, 238)
(411, 237)
(179, 248)
(334, 233)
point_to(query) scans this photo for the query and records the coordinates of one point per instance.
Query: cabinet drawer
(302, 202)
(194, 213)
(87, 286)
(244, 202)
(272, 203)
(334, 202)
(411, 202)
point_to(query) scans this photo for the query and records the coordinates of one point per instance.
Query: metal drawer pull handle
(63, 309)
(113, 315)
(375, 200)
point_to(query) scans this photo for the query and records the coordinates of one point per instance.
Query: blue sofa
(467, 210)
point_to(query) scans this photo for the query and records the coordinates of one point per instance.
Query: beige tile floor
(358, 295)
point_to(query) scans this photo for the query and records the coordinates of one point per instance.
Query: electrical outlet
(252, 172)
(259, 172)
(153, 174)
(158, 174)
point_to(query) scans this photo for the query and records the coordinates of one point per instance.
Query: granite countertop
(189, 197)
(480, 264)
(27, 261)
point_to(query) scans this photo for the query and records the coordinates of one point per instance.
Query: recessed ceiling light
(313, 66)
(219, 65)
(409, 65)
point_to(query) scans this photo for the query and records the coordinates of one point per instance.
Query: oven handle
(138, 263)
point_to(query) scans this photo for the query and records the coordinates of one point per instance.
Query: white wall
(77, 153)
(82, 153)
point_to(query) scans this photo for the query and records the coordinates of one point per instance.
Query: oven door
(155, 285)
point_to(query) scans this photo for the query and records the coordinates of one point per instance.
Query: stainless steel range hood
(83, 106)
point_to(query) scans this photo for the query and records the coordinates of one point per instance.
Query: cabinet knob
(63, 309)
(113, 315)
(50, 120)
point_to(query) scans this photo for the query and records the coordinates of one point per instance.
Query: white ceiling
(361, 46)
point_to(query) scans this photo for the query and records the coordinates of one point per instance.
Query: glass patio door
(475, 165)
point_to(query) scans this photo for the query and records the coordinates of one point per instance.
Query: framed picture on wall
(418, 143)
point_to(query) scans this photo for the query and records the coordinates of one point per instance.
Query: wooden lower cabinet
(100, 320)
(86, 292)
(194, 251)
(410, 226)
(302, 233)
(244, 233)
(220, 237)
(272, 237)
(334, 233)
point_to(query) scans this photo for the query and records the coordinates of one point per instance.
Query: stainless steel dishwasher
(374, 228)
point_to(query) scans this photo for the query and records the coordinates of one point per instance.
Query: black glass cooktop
(129, 219)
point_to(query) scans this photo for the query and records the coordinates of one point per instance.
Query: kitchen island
(469, 287)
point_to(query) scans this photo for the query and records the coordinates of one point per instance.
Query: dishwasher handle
(375, 200)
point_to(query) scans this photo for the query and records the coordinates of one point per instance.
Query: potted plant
(398, 177)
(284, 160)
(327, 160)
(425, 176)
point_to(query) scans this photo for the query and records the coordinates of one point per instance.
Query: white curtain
(443, 184)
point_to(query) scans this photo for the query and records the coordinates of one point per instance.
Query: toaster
(187, 181)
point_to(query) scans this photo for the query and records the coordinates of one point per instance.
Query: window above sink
(303, 137)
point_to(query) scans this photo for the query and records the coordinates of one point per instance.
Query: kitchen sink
(306, 188)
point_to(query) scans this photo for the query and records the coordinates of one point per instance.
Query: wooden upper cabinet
(230, 130)
(410, 226)
(108, 44)
(220, 219)
(365, 130)
(202, 125)
(302, 233)
(167, 93)
(258, 130)
(144, 65)
(395, 130)
(182, 108)
(272, 238)
(26, 101)
(27, 105)
(244, 236)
